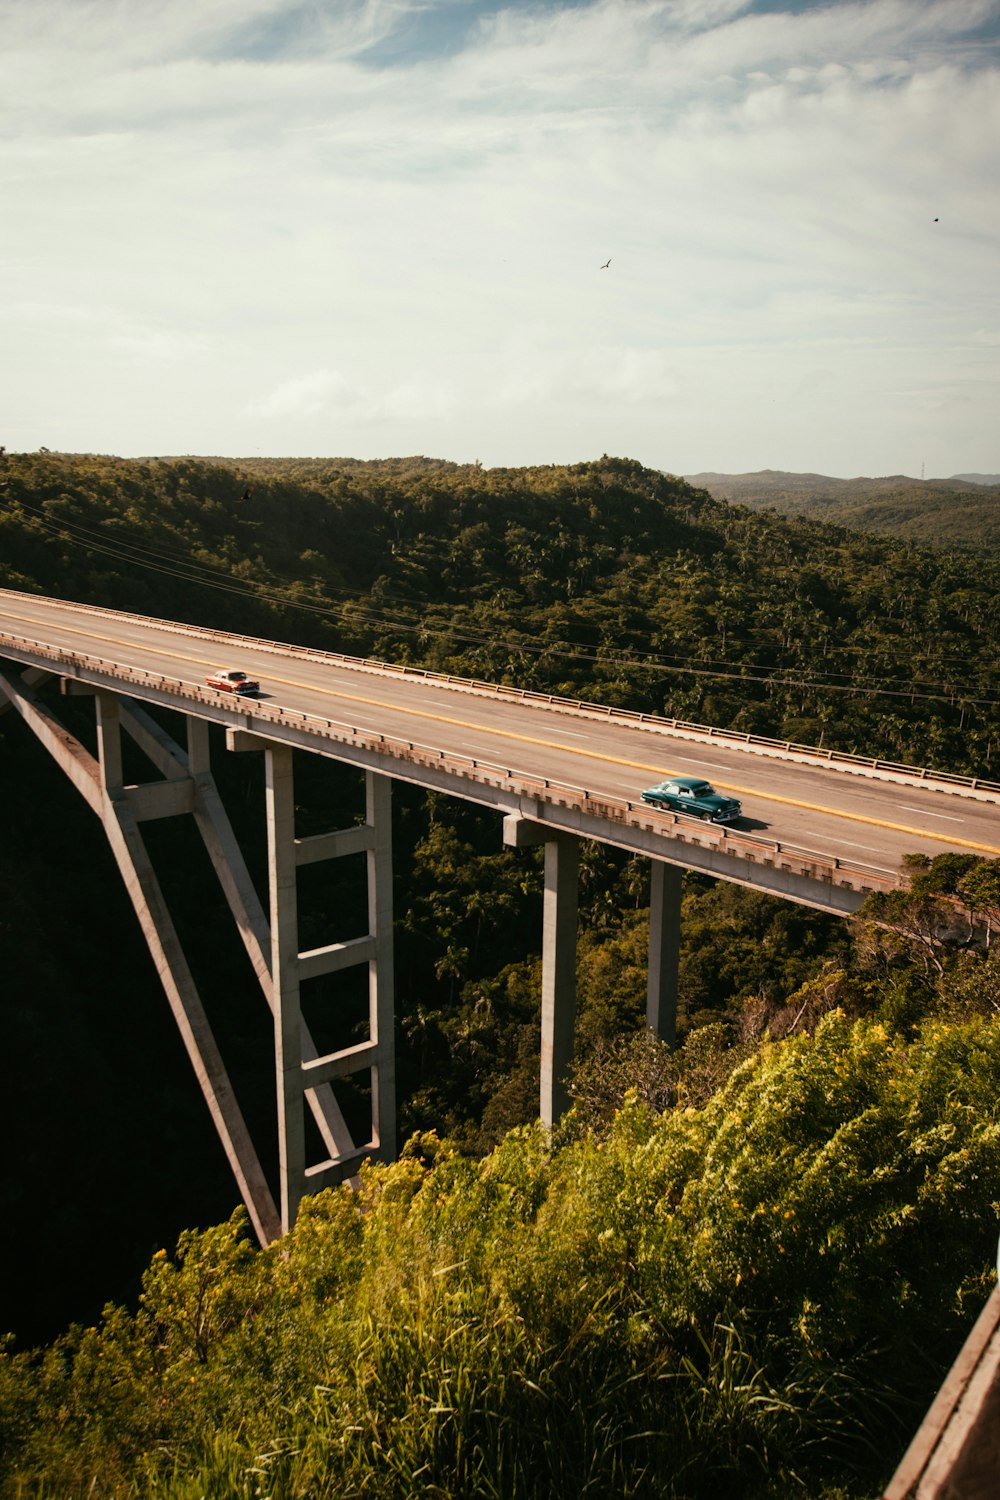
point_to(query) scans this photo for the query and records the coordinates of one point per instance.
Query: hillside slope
(962, 512)
(749, 1298)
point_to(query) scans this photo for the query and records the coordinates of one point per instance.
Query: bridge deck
(493, 747)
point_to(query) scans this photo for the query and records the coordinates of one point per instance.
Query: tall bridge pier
(300, 1073)
(559, 914)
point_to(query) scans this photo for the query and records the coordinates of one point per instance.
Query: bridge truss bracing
(302, 1074)
(303, 1077)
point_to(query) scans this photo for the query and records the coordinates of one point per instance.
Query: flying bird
(936, 221)
(605, 265)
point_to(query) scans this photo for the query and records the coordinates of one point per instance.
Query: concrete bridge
(820, 828)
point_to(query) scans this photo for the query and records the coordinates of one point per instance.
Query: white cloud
(330, 393)
(306, 395)
(158, 345)
(234, 197)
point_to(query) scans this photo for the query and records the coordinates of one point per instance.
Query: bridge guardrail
(844, 758)
(795, 858)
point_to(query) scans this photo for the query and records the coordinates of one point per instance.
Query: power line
(99, 541)
(355, 613)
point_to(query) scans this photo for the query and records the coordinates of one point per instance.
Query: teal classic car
(689, 794)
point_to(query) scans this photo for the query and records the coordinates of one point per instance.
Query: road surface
(828, 809)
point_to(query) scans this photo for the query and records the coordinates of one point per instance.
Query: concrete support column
(664, 950)
(562, 861)
(562, 866)
(381, 992)
(280, 805)
(199, 761)
(109, 742)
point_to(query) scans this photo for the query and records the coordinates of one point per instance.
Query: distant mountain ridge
(963, 511)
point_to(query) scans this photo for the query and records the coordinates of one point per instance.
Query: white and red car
(233, 682)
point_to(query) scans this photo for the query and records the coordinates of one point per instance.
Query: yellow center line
(639, 765)
(528, 739)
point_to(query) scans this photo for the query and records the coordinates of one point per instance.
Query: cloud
(306, 395)
(145, 345)
(393, 213)
(329, 393)
(603, 374)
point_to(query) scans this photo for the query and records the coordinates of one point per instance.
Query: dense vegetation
(750, 1298)
(602, 579)
(963, 511)
(746, 1270)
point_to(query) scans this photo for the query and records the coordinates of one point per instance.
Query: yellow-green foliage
(717, 1300)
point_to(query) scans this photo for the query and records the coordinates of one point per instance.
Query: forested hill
(963, 511)
(604, 580)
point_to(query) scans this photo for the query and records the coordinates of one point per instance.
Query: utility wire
(100, 541)
(355, 613)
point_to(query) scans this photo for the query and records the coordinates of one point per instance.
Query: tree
(979, 888)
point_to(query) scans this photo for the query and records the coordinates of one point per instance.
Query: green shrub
(756, 1297)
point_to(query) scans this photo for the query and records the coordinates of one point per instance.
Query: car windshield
(236, 676)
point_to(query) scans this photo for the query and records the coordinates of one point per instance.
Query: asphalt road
(827, 809)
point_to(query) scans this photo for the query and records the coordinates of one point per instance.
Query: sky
(373, 228)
